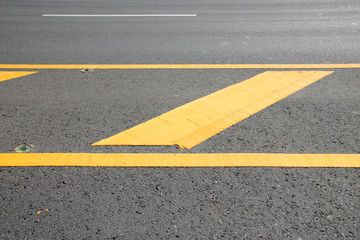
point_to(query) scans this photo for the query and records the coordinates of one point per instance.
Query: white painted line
(119, 15)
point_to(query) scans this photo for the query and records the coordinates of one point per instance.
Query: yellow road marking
(10, 75)
(201, 119)
(179, 160)
(177, 66)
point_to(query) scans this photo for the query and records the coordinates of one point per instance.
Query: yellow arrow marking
(201, 119)
(178, 160)
(10, 75)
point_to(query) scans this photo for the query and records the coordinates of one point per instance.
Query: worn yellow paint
(10, 75)
(179, 160)
(201, 119)
(179, 66)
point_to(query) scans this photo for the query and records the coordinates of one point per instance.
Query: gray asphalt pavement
(281, 31)
(67, 110)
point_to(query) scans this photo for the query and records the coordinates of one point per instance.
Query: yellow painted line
(201, 119)
(179, 160)
(10, 75)
(179, 66)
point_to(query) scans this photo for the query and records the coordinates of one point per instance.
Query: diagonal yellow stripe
(10, 75)
(201, 119)
(178, 66)
(179, 160)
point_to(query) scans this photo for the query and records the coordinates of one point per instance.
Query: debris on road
(23, 148)
(87, 70)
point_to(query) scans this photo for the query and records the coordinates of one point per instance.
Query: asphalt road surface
(300, 31)
(64, 111)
